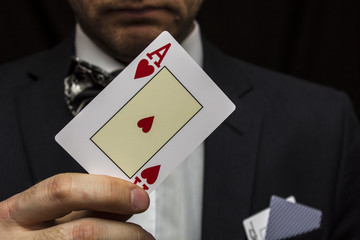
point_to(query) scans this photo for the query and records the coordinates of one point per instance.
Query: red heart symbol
(151, 174)
(144, 69)
(146, 124)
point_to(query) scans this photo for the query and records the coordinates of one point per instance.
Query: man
(287, 137)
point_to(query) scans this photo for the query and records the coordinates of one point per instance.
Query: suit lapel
(42, 113)
(230, 157)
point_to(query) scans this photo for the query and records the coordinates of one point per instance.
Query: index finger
(61, 194)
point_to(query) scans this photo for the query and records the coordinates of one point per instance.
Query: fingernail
(149, 236)
(139, 199)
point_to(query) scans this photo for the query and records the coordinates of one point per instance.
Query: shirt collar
(88, 51)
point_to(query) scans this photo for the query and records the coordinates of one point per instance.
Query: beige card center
(146, 122)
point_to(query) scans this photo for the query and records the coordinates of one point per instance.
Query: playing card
(255, 225)
(149, 118)
(288, 219)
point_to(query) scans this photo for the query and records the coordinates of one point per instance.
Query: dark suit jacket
(286, 137)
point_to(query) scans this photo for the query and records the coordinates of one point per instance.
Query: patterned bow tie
(83, 83)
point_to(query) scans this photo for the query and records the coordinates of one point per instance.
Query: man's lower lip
(138, 12)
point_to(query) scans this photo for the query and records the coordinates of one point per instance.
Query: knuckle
(117, 193)
(59, 187)
(8, 225)
(86, 230)
(8, 209)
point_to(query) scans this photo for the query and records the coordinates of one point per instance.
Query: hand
(74, 206)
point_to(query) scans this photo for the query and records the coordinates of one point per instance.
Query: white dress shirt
(176, 205)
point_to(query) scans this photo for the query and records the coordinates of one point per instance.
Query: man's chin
(142, 31)
(128, 44)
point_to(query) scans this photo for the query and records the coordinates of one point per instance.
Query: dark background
(317, 40)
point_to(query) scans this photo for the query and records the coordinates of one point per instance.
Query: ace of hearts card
(149, 118)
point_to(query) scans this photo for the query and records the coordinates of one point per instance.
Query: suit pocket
(313, 235)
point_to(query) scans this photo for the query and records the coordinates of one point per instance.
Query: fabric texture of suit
(286, 137)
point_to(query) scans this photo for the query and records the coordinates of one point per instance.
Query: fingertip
(149, 236)
(139, 199)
